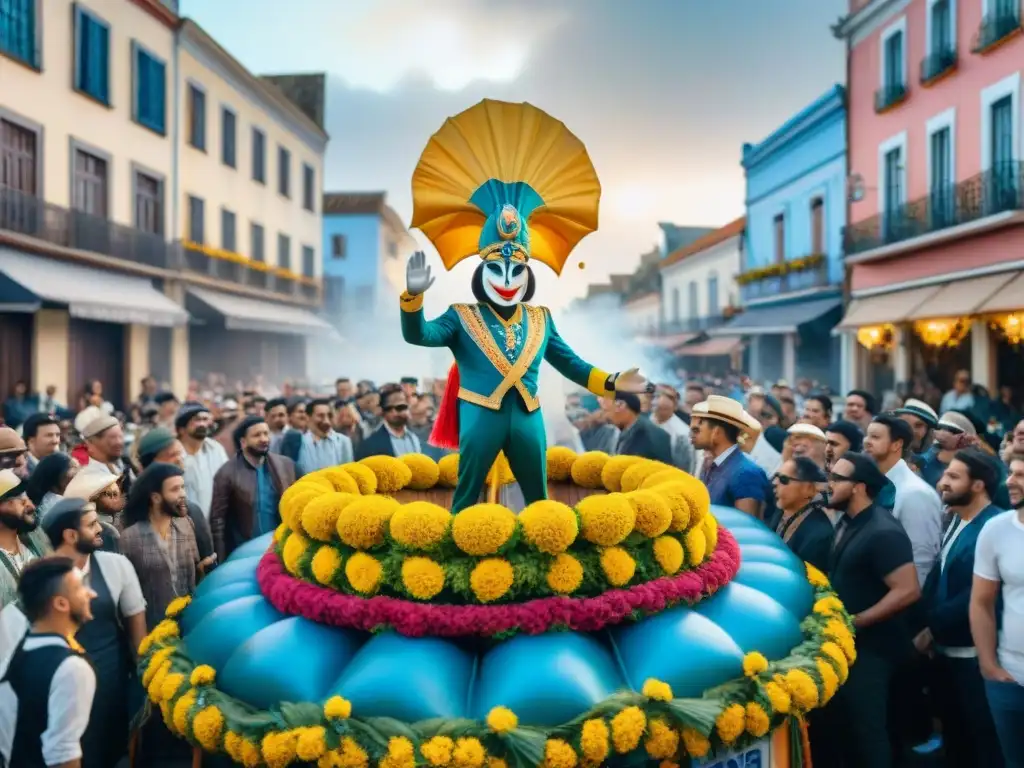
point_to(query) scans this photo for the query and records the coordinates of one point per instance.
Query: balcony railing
(889, 95)
(777, 285)
(241, 271)
(938, 63)
(30, 216)
(692, 324)
(996, 26)
(987, 194)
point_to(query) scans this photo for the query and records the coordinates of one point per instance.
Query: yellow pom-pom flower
(156, 683)
(613, 469)
(674, 494)
(709, 527)
(420, 525)
(731, 723)
(696, 546)
(829, 680)
(636, 473)
(362, 523)
(830, 605)
(491, 579)
(483, 529)
(340, 480)
(325, 565)
(606, 520)
(560, 460)
(618, 566)
(278, 748)
(294, 500)
(803, 691)
(180, 713)
(293, 552)
(594, 741)
(754, 664)
(438, 750)
(839, 633)
(337, 708)
(627, 729)
(834, 653)
(653, 514)
(401, 753)
(363, 572)
(157, 660)
(663, 476)
(424, 471)
(176, 606)
(565, 574)
(448, 470)
(549, 526)
(202, 675)
(669, 554)
(496, 762)
(815, 576)
(558, 753)
(422, 577)
(208, 726)
(165, 630)
(468, 753)
(662, 740)
(757, 720)
(392, 474)
(170, 685)
(696, 743)
(366, 481)
(502, 720)
(311, 744)
(320, 516)
(586, 470)
(778, 697)
(656, 690)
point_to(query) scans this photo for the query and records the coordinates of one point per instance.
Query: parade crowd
(914, 510)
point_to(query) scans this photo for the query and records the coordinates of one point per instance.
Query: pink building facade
(935, 244)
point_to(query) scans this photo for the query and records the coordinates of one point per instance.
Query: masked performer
(511, 184)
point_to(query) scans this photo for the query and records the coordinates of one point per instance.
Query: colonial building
(790, 280)
(936, 191)
(641, 306)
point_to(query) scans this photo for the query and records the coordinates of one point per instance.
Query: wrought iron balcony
(889, 95)
(790, 282)
(236, 269)
(30, 216)
(691, 324)
(997, 26)
(987, 194)
(938, 63)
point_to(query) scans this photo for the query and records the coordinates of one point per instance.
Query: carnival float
(401, 616)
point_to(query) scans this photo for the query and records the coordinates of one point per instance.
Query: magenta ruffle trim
(413, 619)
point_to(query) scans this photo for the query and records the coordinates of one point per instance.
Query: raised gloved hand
(632, 381)
(417, 274)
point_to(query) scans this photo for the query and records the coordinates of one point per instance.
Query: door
(96, 351)
(16, 352)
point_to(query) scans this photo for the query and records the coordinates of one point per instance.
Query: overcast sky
(663, 92)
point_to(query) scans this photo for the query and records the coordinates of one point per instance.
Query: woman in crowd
(47, 483)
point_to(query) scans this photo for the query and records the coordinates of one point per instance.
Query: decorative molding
(796, 127)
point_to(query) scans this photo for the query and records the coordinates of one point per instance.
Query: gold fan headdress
(506, 181)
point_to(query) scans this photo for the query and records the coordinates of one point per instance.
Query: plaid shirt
(164, 572)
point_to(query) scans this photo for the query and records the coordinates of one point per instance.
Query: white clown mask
(505, 281)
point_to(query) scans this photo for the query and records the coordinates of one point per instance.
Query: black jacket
(646, 440)
(377, 443)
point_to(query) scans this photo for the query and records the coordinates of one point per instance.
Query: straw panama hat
(88, 485)
(728, 410)
(809, 430)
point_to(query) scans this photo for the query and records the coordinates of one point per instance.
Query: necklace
(511, 329)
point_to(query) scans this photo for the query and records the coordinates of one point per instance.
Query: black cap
(630, 400)
(409, 380)
(807, 471)
(164, 397)
(866, 471)
(853, 434)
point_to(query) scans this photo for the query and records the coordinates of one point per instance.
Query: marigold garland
(483, 529)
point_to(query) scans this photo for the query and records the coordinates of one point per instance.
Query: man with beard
(922, 420)
(13, 452)
(277, 421)
(158, 539)
(247, 489)
(20, 541)
(104, 446)
(103, 491)
(117, 628)
(997, 618)
(393, 437)
(969, 736)
(290, 444)
(871, 568)
(46, 687)
(203, 455)
(840, 437)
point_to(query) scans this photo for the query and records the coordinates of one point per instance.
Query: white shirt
(121, 579)
(765, 456)
(200, 467)
(919, 509)
(1000, 557)
(70, 701)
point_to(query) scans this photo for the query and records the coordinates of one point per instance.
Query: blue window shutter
(160, 94)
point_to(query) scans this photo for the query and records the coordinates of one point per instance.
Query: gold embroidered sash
(511, 373)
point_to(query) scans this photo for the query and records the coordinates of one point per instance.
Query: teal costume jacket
(496, 356)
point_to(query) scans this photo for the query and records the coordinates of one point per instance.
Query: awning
(962, 297)
(892, 307)
(710, 348)
(89, 293)
(778, 319)
(1009, 298)
(241, 313)
(668, 342)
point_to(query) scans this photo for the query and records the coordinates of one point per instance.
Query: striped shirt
(320, 452)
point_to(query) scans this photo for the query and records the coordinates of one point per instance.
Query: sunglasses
(399, 408)
(840, 478)
(784, 479)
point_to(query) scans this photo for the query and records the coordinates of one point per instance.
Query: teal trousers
(484, 433)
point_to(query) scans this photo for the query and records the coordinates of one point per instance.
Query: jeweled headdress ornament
(505, 181)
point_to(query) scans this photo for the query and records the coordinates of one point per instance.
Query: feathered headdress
(505, 181)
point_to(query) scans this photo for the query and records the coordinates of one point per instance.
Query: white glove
(417, 274)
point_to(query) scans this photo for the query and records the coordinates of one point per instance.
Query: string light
(872, 336)
(944, 332)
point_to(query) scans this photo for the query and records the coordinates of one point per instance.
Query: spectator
(41, 433)
(46, 485)
(298, 424)
(20, 541)
(597, 433)
(637, 436)
(860, 408)
(104, 492)
(167, 405)
(19, 405)
(960, 397)
(663, 415)
(806, 440)
(841, 437)
(733, 480)
(321, 445)
(800, 519)
(817, 411)
(203, 455)
(922, 420)
(104, 447)
(393, 437)
(277, 421)
(13, 452)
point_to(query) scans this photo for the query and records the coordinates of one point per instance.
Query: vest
(30, 675)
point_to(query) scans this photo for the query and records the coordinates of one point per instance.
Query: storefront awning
(668, 342)
(1009, 298)
(785, 318)
(963, 297)
(892, 307)
(89, 293)
(241, 313)
(710, 348)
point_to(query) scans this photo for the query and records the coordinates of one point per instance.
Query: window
(893, 71)
(941, 169)
(284, 252)
(892, 184)
(1001, 133)
(228, 235)
(19, 30)
(259, 156)
(149, 88)
(940, 26)
(694, 300)
(779, 228)
(256, 245)
(227, 138)
(308, 187)
(334, 292)
(196, 220)
(817, 226)
(338, 244)
(713, 295)
(149, 203)
(89, 193)
(308, 261)
(893, 179)
(197, 117)
(19, 158)
(92, 56)
(284, 160)
(676, 311)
